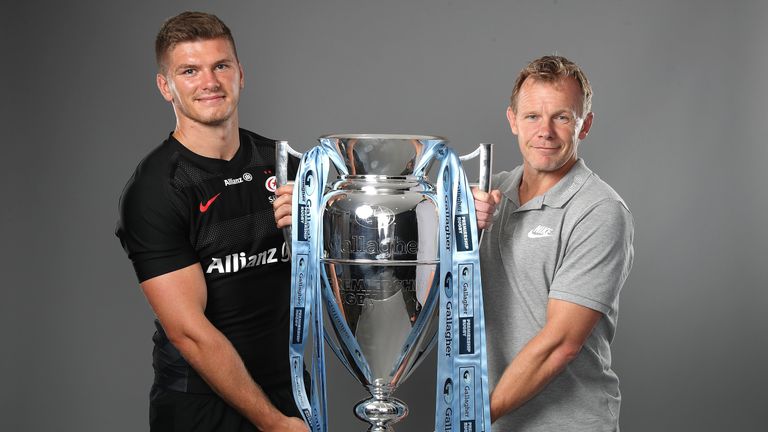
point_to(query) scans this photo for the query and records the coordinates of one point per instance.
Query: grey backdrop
(680, 102)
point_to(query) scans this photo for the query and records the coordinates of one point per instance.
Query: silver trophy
(381, 260)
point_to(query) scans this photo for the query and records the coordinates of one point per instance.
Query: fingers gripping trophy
(392, 257)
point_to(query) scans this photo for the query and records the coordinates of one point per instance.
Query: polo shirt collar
(557, 196)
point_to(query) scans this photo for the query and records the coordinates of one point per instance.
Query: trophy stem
(381, 410)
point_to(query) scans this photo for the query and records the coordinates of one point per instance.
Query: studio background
(680, 132)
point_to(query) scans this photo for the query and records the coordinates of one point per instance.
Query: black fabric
(180, 208)
(173, 411)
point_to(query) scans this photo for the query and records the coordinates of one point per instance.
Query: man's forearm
(217, 361)
(179, 299)
(532, 369)
(545, 356)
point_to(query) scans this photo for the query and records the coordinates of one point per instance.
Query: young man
(196, 221)
(553, 263)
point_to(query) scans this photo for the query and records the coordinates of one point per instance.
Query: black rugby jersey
(180, 208)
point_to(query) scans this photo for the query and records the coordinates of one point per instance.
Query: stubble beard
(212, 119)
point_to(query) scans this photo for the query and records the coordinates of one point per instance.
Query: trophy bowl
(381, 264)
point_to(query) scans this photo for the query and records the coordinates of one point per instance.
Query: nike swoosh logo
(204, 207)
(540, 231)
(534, 235)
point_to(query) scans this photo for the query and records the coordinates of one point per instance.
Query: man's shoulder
(262, 149)
(151, 174)
(255, 139)
(155, 163)
(596, 190)
(597, 200)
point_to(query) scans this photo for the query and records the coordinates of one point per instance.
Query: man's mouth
(210, 98)
(547, 149)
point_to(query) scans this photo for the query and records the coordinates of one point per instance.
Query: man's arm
(178, 299)
(546, 355)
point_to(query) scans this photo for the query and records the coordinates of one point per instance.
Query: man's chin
(215, 120)
(549, 166)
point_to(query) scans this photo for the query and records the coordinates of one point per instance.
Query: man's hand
(283, 205)
(485, 206)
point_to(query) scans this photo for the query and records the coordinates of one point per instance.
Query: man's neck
(217, 142)
(535, 183)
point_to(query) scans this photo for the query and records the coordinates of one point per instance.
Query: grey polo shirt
(574, 243)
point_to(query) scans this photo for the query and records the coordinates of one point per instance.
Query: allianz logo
(233, 181)
(235, 262)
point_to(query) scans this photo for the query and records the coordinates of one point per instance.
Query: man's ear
(512, 120)
(162, 85)
(586, 126)
(242, 76)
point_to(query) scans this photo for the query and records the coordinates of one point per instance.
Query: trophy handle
(485, 152)
(282, 151)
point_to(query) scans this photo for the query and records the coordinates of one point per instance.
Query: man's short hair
(186, 27)
(553, 69)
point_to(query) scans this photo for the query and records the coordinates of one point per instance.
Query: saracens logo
(233, 181)
(271, 184)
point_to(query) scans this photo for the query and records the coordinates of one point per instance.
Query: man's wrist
(498, 407)
(270, 421)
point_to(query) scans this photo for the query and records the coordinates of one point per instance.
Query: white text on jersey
(233, 181)
(237, 261)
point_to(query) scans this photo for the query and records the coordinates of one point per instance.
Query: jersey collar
(557, 196)
(217, 166)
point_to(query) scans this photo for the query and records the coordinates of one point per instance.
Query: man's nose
(545, 129)
(211, 81)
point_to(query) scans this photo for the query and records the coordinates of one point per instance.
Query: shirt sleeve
(152, 231)
(597, 259)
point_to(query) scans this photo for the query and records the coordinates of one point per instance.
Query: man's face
(549, 124)
(202, 80)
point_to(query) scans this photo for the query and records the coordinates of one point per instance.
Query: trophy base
(381, 411)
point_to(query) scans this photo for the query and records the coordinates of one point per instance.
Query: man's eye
(188, 71)
(222, 66)
(563, 118)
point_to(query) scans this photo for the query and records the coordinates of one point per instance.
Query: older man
(553, 262)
